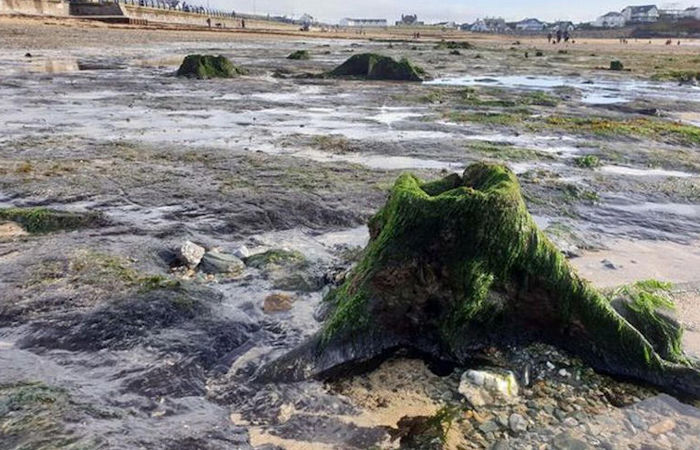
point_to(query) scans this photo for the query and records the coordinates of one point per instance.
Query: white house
(377, 23)
(610, 20)
(564, 26)
(641, 14)
(488, 25)
(692, 13)
(530, 25)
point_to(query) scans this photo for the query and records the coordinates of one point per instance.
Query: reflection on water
(594, 91)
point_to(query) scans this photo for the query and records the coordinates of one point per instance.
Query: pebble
(489, 426)
(191, 254)
(277, 303)
(517, 423)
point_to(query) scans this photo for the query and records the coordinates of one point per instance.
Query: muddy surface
(106, 343)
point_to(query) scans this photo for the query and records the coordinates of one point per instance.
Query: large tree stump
(457, 265)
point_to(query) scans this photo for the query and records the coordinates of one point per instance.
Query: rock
(664, 426)
(570, 422)
(482, 387)
(27, 55)
(300, 54)
(277, 303)
(550, 366)
(215, 262)
(517, 423)
(564, 373)
(489, 426)
(372, 66)
(565, 441)
(609, 264)
(241, 252)
(208, 66)
(616, 65)
(636, 420)
(191, 254)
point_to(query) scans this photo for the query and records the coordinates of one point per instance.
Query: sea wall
(57, 8)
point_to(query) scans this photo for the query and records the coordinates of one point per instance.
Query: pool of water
(593, 91)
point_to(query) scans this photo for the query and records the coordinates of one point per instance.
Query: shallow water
(594, 90)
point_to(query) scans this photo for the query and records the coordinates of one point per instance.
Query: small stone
(549, 365)
(489, 426)
(636, 420)
(664, 426)
(570, 422)
(501, 444)
(277, 303)
(241, 252)
(214, 262)
(564, 373)
(191, 254)
(565, 441)
(609, 264)
(517, 423)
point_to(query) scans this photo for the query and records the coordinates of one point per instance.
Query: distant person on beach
(242, 23)
(549, 37)
(558, 36)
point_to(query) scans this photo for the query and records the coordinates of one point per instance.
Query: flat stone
(664, 426)
(191, 254)
(277, 303)
(489, 426)
(215, 262)
(566, 441)
(498, 386)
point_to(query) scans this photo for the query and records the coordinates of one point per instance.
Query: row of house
(633, 15)
(498, 25)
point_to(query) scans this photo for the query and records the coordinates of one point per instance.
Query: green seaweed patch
(453, 45)
(649, 128)
(489, 118)
(507, 152)
(209, 66)
(682, 76)
(299, 55)
(587, 161)
(276, 257)
(372, 66)
(645, 302)
(44, 220)
(30, 415)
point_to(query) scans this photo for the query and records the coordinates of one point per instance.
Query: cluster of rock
(286, 270)
(565, 405)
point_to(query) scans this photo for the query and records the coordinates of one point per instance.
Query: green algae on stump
(458, 265)
(372, 66)
(208, 66)
(299, 54)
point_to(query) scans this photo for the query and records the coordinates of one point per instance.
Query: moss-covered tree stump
(458, 265)
(371, 66)
(208, 66)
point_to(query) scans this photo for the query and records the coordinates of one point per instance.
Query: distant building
(530, 25)
(488, 25)
(641, 14)
(408, 20)
(563, 26)
(369, 23)
(306, 19)
(449, 24)
(692, 13)
(610, 20)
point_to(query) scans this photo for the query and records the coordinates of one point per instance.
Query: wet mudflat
(105, 341)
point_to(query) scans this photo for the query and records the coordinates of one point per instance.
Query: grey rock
(517, 423)
(241, 252)
(214, 262)
(489, 426)
(565, 441)
(190, 254)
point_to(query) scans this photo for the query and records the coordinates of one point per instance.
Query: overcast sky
(433, 10)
